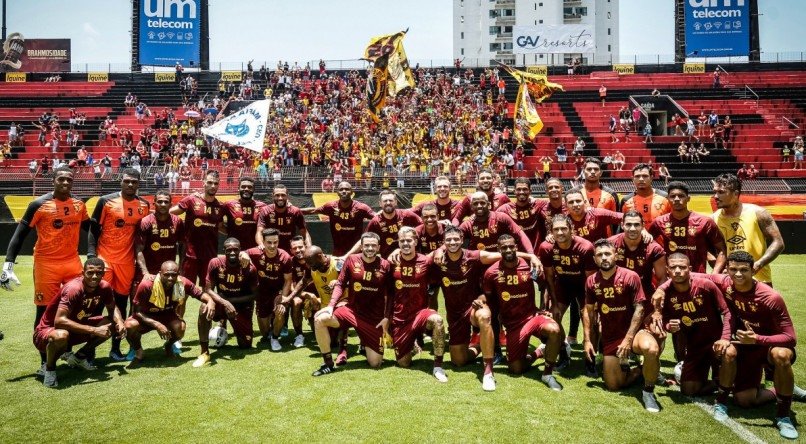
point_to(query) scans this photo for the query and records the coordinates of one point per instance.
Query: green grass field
(257, 395)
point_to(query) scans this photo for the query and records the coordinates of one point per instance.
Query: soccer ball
(218, 337)
(678, 372)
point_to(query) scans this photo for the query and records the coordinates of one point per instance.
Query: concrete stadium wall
(320, 234)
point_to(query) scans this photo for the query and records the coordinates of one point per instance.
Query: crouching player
(68, 320)
(232, 289)
(510, 292)
(616, 295)
(156, 301)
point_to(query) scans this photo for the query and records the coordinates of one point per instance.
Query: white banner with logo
(245, 128)
(553, 39)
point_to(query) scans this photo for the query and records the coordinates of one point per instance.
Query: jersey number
(164, 232)
(230, 278)
(367, 275)
(680, 231)
(565, 260)
(407, 271)
(608, 292)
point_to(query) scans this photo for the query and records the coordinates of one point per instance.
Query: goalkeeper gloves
(7, 276)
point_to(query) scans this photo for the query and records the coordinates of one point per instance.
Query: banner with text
(34, 55)
(245, 128)
(169, 32)
(553, 39)
(717, 28)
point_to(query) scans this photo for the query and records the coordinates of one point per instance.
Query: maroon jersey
(761, 307)
(242, 220)
(231, 281)
(595, 223)
(346, 224)
(444, 211)
(387, 228)
(570, 264)
(702, 311)
(426, 243)
(545, 212)
(299, 270)
(510, 293)
(615, 300)
(694, 236)
(527, 217)
(79, 304)
(484, 235)
(271, 271)
(142, 296)
(463, 208)
(159, 240)
(201, 226)
(411, 289)
(288, 223)
(368, 284)
(460, 281)
(641, 260)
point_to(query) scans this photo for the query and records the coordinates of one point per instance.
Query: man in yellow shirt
(746, 227)
(324, 273)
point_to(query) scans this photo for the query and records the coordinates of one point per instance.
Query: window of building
(507, 28)
(494, 30)
(608, 31)
(493, 13)
(463, 51)
(462, 34)
(508, 45)
(540, 21)
(583, 11)
(608, 48)
(540, 4)
(508, 12)
(495, 46)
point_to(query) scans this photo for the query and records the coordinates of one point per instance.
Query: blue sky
(339, 29)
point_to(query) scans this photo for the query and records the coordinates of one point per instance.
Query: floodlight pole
(4, 22)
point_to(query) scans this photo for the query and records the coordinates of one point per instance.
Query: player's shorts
(264, 304)
(194, 269)
(120, 277)
(404, 334)
(459, 327)
(697, 363)
(241, 324)
(41, 334)
(750, 363)
(566, 292)
(49, 277)
(518, 338)
(165, 318)
(370, 336)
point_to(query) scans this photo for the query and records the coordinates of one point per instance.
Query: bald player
(484, 226)
(345, 218)
(241, 214)
(284, 217)
(485, 184)
(526, 211)
(324, 273)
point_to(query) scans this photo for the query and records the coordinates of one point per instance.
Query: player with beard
(345, 217)
(58, 219)
(597, 195)
(407, 305)
(69, 319)
(443, 203)
(155, 304)
(287, 219)
(746, 227)
(273, 267)
(556, 205)
(300, 282)
(648, 201)
(233, 288)
(111, 237)
(567, 263)
(484, 185)
(485, 225)
(430, 235)
(242, 214)
(525, 211)
(158, 237)
(510, 292)
(203, 214)
(647, 260)
(589, 223)
(388, 222)
(690, 233)
(763, 335)
(697, 310)
(367, 276)
(615, 295)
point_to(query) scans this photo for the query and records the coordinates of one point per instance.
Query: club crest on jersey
(692, 231)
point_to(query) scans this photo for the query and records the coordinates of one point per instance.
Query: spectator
(682, 152)
(692, 154)
(327, 183)
(752, 172)
(618, 161)
(702, 123)
(107, 165)
(579, 163)
(727, 125)
(716, 84)
(33, 167)
(648, 132)
(579, 146)
(612, 128)
(798, 150)
(702, 151)
(12, 133)
(501, 86)
(786, 152)
(603, 94)
(546, 162)
(742, 173)
(663, 173)
(519, 156)
(561, 152)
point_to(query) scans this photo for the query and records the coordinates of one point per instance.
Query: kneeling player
(367, 277)
(156, 301)
(232, 288)
(695, 307)
(68, 320)
(510, 292)
(407, 306)
(615, 293)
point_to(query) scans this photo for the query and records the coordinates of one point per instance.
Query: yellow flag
(527, 122)
(390, 73)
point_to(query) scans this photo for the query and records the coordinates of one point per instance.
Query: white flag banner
(553, 39)
(245, 128)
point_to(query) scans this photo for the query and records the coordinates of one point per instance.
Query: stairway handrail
(747, 87)
(790, 122)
